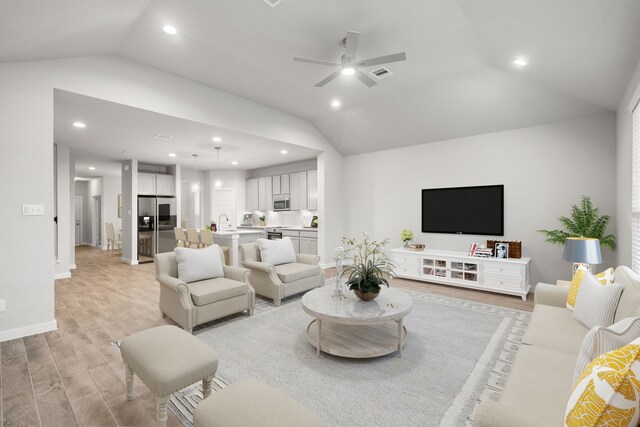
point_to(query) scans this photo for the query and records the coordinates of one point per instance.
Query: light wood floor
(75, 375)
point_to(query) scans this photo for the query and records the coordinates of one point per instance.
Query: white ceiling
(118, 132)
(457, 81)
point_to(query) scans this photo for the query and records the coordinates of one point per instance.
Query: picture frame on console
(502, 250)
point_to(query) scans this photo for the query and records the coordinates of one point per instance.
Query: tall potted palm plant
(370, 268)
(585, 221)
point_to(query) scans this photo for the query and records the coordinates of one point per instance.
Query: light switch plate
(2, 306)
(32, 210)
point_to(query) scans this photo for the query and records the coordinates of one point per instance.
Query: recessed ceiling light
(169, 29)
(91, 168)
(172, 154)
(520, 61)
(79, 125)
(283, 151)
(336, 103)
(234, 163)
(348, 71)
(217, 139)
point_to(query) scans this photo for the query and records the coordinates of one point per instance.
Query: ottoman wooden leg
(161, 410)
(206, 386)
(128, 374)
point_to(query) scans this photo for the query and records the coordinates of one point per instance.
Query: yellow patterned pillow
(605, 278)
(607, 393)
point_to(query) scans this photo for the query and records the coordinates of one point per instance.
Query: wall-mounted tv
(464, 210)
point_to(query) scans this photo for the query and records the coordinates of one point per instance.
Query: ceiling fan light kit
(349, 65)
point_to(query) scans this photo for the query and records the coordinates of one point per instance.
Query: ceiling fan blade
(316, 61)
(382, 60)
(328, 79)
(351, 45)
(365, 79)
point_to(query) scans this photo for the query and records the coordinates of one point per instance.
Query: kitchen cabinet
(304, 242)
(265, 194)
(280, 184)
(312, 190)
(252, 195)
(276, 184)
(298, 191)
(156, 184)
(165, 185)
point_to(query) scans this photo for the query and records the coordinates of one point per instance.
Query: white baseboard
(63, 275)
(25, 331)
(72, 267)
(129, 261)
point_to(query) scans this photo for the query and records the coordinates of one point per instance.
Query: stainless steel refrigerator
(157, 217)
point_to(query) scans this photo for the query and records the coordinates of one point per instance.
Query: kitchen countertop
(300, 228)
(232, 232)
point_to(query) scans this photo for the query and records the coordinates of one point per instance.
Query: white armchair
(280, 281)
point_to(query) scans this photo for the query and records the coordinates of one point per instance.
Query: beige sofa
(280, 281)
(539, 384)
(192, 304)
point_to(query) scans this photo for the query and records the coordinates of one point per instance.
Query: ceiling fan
(349, 65)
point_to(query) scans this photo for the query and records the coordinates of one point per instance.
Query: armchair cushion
(209, 291)
(296, 271)
(199, 264)
(276, 252)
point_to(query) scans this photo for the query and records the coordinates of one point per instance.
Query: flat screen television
(464, 210)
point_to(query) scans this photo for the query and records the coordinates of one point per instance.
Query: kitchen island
(232, 239)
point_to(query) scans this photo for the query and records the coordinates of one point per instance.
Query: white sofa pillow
(596, 304)
(600, 340)
(199, 264)
(276, 252)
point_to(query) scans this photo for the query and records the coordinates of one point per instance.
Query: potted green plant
(585, 221)
(261, 220)
(370, 268)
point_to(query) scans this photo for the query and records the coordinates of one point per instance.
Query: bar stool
(180, 237)
(192, 238)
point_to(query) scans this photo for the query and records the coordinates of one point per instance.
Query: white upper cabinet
(284, 184)
(312, 185)
(156, 184)
(265, 194)
(276, 185)
(252, 195)
(165, 185)
(298, 191)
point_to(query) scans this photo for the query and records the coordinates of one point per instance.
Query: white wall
(544, 169)
(82, 190)
(623, 167)
(63, 212)
(26, 118)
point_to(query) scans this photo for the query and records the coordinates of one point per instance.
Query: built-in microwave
(281, 203)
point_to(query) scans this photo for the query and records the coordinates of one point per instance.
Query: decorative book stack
(483, 252)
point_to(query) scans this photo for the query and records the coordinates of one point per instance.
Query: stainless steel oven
(281, 203)
(274, 233)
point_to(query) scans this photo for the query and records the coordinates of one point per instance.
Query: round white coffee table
(349, 327)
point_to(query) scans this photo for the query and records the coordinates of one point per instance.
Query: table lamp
(582, 250)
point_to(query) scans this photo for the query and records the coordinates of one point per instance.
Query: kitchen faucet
(220, 219)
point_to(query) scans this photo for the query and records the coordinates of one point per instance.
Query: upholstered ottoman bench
(250, 403)
(167, 359)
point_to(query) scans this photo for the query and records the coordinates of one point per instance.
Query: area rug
(457, 353)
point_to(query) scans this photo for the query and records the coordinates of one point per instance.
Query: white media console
(505, 276)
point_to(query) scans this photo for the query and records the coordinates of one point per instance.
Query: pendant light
(217, 182)
(195, 185)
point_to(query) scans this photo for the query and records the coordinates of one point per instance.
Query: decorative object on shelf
(585, 221)
(472, 249)
(417, 246)
(514, 247)
(483, 251)
(582, 250)
(314, 222)
(370, 267)
(406, 236)
(502, 250)
(261, 220)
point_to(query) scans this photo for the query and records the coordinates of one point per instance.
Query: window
(635, 192)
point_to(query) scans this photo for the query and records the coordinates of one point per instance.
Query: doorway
(79, 220)
(97, 216)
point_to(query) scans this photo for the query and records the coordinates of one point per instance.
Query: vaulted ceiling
(458, 79)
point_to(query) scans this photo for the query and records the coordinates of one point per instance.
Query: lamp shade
(582, 249)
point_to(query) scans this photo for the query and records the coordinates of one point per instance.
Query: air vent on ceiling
(272, 3)
(381, 73)
(161, 136)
